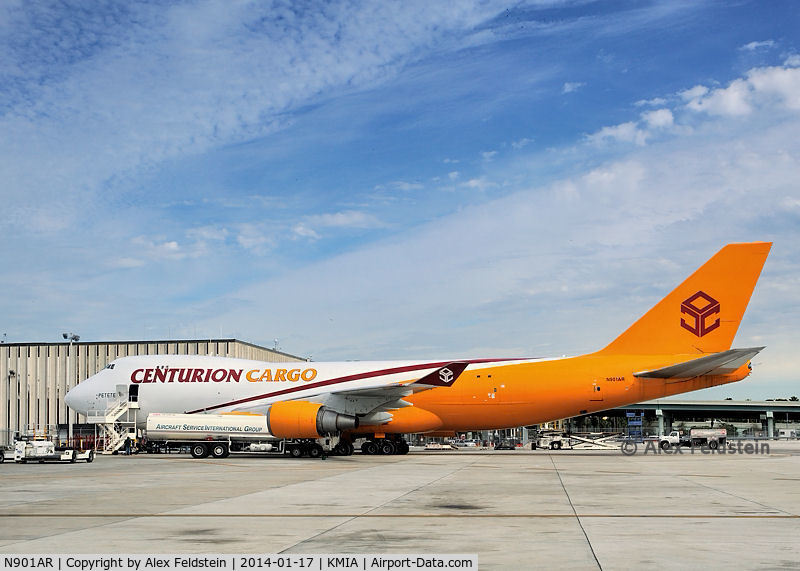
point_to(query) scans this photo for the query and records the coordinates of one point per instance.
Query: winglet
(444, 376)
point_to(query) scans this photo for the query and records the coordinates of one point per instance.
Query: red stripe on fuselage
(355, 377)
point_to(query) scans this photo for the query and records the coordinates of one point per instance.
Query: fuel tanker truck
(217, 435)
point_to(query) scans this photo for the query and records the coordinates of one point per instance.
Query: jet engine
(303, 419)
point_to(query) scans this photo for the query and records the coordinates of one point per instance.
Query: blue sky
(373, 180)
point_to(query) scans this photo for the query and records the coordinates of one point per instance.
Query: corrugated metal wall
(35, 377)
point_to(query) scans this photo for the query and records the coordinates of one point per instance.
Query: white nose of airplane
(77, 398)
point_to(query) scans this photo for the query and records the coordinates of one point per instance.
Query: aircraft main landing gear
(385, 446)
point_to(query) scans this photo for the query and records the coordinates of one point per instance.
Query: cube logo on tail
(446, 375)
(700, 307)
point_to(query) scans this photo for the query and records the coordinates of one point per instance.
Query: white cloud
(488, 155)
(772, 88)
(743, 95)
(784, 84)
(791, 203)
(452, 175)
(521, 143)
(658, 119)
(695, 92)
(480, 183)
(405, 186)
(753, 46)
(159, 249)
(207, 233)
(732, 100)
(345, 219)
(253, 238)
(127, 262)
(570, 87)
(108, 92)
(627, 132)
(792, 61)
(655, 102)
(311, 226)
(301, 230)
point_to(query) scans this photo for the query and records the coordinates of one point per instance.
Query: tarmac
(517, 509)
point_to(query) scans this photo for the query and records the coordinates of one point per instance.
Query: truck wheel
(199, 450)
(713, 445)
(74, 456)
(295, 452)
(665, 445)
(558, 445)
(90, 457)
(219, 450)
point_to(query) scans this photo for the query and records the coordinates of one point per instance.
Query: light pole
(72, 338)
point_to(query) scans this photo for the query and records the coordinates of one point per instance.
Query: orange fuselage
(531, 393)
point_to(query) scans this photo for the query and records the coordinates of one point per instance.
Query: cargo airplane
(681, 344)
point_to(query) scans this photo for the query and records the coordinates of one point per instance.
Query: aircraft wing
(720, 363)
(374, 405)
(373, 402)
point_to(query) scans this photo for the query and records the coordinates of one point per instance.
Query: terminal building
(747, 418)
(34, 377)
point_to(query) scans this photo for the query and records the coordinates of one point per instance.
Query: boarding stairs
(117, 421)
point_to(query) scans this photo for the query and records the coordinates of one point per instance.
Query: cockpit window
(110, 366)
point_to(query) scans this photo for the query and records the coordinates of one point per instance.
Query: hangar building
(34, 377)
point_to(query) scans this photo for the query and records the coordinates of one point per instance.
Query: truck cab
(674, 438)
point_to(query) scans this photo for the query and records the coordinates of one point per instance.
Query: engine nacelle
(303, 419)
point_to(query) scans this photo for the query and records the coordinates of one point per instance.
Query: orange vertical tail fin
(702, 314)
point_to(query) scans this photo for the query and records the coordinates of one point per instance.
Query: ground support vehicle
(556, 440)
(551, 439)
(44, 450)
(711, 437)
(219, 435)
(439, 446)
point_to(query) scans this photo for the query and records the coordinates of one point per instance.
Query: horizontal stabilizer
(717, 364)
(444, 376)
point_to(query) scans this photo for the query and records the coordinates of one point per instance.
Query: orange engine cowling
(303, 419)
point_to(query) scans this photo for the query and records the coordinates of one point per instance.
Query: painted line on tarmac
(399, 516)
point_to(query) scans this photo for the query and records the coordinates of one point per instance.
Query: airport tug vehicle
(42, 449)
